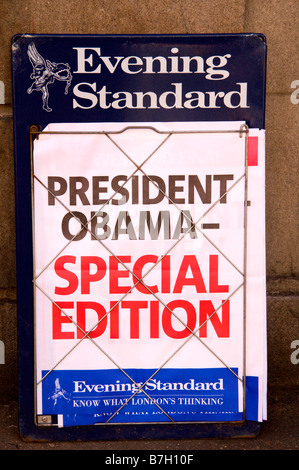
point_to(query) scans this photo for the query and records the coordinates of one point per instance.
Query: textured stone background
(278, 20)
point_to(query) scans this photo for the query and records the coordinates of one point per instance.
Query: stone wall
(278, 21)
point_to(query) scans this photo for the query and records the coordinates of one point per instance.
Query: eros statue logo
(45, 73)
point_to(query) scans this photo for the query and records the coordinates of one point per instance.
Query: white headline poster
(150, 272)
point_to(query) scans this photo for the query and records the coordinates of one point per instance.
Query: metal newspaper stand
(169, 95)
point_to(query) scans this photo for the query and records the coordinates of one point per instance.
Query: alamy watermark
(295, 94)
(2, 92)
(2, 353)
(295, 354)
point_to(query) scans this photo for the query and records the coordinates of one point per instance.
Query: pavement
(279, 432)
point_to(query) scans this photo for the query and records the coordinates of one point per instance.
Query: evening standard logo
(82, 387)
(59, 394)
(93, 65)
(45, 73)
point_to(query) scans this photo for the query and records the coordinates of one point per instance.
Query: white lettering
(295, 354)
(85, 95)
(86, 98)
(242, 97)
(130, 62)
(109, 65)
(220, 74)
(295, 94)
(90, 60)
(81, 386)
(82, 59)
(167, 103)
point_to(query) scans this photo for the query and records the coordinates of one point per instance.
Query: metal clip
(45, 420)
(34, 130)
(243, 129)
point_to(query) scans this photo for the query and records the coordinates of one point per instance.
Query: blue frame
(248, 64)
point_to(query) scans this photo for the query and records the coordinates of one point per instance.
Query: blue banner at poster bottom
(85, 397)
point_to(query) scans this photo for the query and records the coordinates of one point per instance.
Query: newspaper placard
(149, 273)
